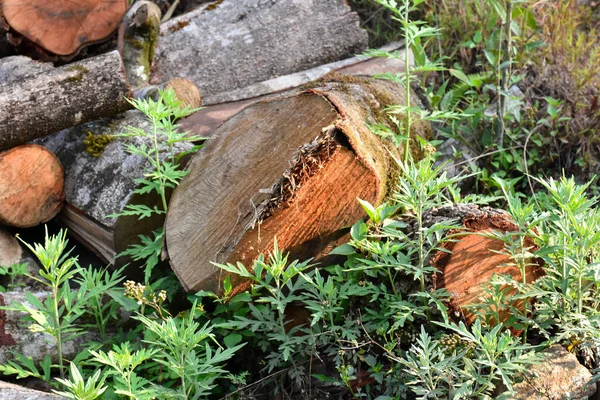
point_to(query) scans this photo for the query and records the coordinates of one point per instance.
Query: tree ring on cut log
(471, 260)
(31, 186)
(63, 27)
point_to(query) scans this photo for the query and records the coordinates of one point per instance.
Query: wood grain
(31, 186)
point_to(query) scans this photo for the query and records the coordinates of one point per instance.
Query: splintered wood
(289, 169)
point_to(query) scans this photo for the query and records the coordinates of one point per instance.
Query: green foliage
(13, 272)
(163, 172)
(80, 389)
(57, 314)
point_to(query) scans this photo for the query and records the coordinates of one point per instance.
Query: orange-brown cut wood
(64, 26)
(31, 186)
(475, 258)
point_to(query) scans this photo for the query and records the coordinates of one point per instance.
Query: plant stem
(161, 180)
(407, 73)
(58, 334)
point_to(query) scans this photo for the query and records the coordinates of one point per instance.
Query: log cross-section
(289, 169)
(472, 258)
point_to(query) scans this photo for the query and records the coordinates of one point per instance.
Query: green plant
(56, 315)
(80, 389)
(416, 37)
(276, 284)
(13, 272)
(163, 173)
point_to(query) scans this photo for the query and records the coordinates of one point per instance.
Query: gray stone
(9, 391)
(558, 377)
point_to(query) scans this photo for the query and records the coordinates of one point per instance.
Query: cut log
(63, 27)
(138, 35)
(48, 102)
(289, 169)
(241, 42)
(184, 89)
(9, 391)
(472, 259)
(31, 183)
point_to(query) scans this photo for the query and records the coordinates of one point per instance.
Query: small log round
(63, 27)
(470, 260)
(31, 186)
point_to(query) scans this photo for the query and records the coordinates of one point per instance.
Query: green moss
(95, 144)
(81, 70)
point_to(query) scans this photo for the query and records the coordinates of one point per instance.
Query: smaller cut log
(31, 183)
(471, 259)
(63, 27)
(17, 68)
(186, 91)
(138, 35)
(290, 168)
(61, 98)
(10, 250)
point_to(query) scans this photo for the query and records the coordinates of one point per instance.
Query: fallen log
(31, 183)
(10, 391)
(290, 169)
(16, 68)
(61, 98)
(100, 183)
(231, 44)
(469, 260)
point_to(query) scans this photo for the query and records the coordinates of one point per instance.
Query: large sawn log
(291, 169)
(47, 102)
(232, 44)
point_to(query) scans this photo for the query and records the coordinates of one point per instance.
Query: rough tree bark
(31, 183)
(64, 97)
(235, 43)
(289, 168)
(98, 187)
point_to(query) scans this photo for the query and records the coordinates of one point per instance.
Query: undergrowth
(376, 325)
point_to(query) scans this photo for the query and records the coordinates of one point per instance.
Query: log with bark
(31, 183)
(470, 259)
(61, 98)
(101, 184)
(235, 43)
(291, 169)
(208, 119)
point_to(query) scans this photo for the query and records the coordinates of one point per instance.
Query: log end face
(474, 260)
(32, 182)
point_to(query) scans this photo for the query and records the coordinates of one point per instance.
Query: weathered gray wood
(289, 168)
(236, 43)
(208, 119)
(16, 68)
(97, 187)
(138, 35)
(64, 97)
